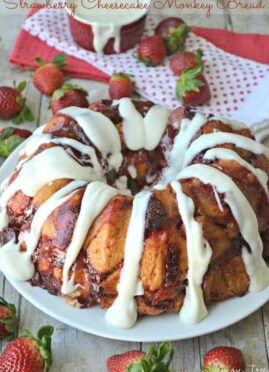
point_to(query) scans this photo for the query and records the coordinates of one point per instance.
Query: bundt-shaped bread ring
(139, 210)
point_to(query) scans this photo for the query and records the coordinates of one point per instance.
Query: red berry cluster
(169, 39)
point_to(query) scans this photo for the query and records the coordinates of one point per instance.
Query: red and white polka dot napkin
(240, 87)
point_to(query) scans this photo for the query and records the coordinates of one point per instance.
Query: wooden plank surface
(75, 350)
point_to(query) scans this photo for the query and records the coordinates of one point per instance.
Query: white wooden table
(77, 351)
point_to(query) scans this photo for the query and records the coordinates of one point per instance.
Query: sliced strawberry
(224, 358)
(156, 359)
(151, 50)
(13, 104)
(27, 353)
(8, 320)
(174, 31)
(10, 138)
(49, 77)
(68, 95)
(120, 85)
(192, 88)
(182, 61)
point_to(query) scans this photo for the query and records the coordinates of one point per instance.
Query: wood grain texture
(75, 351)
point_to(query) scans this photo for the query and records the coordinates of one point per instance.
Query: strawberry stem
(19, 87)
(59, 60)
(188, 82)
(156, 359)
(59, 93)
(199, 57)
(43, 340)
(121, 75)
(176, 40)
(24, 115)
(40, 61)
(11, 321)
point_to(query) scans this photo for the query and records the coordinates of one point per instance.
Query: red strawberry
(13, 104)
(120, 85)
(192, 88)
(136, 360)
(224, 358)
(27, 353)
(174, 32)
(120, 362)
(182, 61)
(10, 138)
(8, 320)
(68, 95)
(152, 50)
(48, 77)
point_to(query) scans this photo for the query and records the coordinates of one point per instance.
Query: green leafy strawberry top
(156, 359)
(189, 82)
(59, 93)
(215, 369)
(199, 58)
(9, 140)
(25, 113)
(10, 322)
(59, 61)
(118, 75)
(176, 40)
(43, 341)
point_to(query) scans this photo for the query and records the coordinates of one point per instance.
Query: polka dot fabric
(235, 82)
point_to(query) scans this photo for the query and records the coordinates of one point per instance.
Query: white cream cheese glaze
(199, 254)
(227, 154)
(219, 138)
(146, 133)
(132, 171)
(217, 198)
(240, 208)
(188, 129)
(155, 123)
(100, 131)
(106, 20)
(234, 124)
(102, 34)
(96, 197)
(51, 164)
(15, 263)
(40, 139)
(123, 312)
(10, 253)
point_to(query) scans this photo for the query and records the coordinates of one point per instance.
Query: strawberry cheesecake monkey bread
(120, 189)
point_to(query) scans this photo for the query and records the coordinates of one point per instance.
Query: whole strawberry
(156, 359)
(192, 88)
(68, 95)
(49, 77)
(182, 61)
(27, 353)
(8, 320)
(224, 358)
(174, 31)
(13, 104)
(10, 138)
(120, 85)
(151, 50)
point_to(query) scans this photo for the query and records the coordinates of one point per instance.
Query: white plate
(160, 328)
